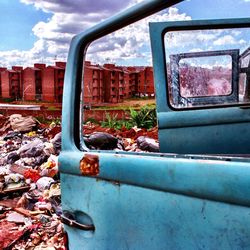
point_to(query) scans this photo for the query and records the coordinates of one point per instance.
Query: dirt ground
(138, 103)
(135, 103)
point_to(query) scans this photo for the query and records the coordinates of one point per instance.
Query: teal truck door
(202, 95)
(120, 200)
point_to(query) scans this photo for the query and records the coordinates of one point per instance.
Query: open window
(202, 78)
(118, 96)
(206, 62)
(202, 85)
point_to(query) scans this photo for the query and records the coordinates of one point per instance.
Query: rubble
(22, 124)
(30, 205)
(133, 140)
(101, 140)
(147, 144)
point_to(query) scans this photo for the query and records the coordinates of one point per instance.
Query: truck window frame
(157, 34)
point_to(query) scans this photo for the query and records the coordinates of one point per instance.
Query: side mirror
(206, 63)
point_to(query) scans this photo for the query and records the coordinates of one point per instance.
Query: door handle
(68, 219)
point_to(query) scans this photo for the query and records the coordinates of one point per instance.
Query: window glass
(208, 67)
(203, 77)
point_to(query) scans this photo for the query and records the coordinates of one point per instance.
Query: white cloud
(131, 42)
(205, 40)
(228, 40)
(71, 17)
(196, 50)
(236, 32)
(189, 40)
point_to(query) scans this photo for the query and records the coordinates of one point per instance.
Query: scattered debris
(147, 144)
(56, 142)
(22, 124)
(30, 206)
(97, 137)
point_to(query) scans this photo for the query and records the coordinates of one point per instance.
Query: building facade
(146, 82)
(32, 84)
(11, 82)
(106, 83)
(52, 82)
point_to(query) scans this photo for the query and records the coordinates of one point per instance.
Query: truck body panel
(194, 194)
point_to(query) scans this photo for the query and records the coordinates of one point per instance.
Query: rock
(22, 124)
(101, 140)
(32, 149)
(147, 144)
(12, 157)
(41, 159)
(15, 217)
(56, 141)
(49, 148)
(12, 135)
(15, 168)
(42, 205)
(44, 183)
(13, 178)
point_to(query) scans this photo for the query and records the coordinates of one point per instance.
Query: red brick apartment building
(127, 84)
(52, 83)
(32, 83)
(114, 83)
(11, 80)
(1, 70)
(93, 84)
(133, 80)
(146, 82)
(102, 84)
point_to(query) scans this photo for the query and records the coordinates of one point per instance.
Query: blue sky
(17, 21)
(211, 9)
(40, 31)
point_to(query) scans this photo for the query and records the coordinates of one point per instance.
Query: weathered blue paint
(178, 203)
(210, 179)
(133, 217)
(156, 201)
(209, 131)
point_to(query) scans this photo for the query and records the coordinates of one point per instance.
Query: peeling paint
(89, 165)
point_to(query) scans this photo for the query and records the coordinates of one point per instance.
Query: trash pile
(30, 196)
(30, 205)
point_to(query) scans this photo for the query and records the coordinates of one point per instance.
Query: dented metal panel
(201, 178)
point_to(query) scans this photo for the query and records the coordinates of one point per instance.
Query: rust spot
(89, 165)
